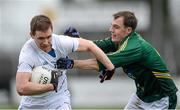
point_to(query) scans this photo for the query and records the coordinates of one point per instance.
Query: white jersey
(31, 56)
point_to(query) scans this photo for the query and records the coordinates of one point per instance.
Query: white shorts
(136, 103)
(64, 106)
(54, 103)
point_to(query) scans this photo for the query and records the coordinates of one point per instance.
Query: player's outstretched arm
(89, 64)
(67, 63)
(92, 64)
(87, 45)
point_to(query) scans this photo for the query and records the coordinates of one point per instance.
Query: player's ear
(31, 34)
(129, 30)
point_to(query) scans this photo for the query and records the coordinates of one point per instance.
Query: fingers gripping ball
(54, 80)
(71, 31)
(44, 75)
(106, 75)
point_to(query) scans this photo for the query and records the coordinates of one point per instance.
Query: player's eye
(49, 37)
(115, 27)
(41, 38)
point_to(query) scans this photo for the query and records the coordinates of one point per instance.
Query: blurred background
(158, 23)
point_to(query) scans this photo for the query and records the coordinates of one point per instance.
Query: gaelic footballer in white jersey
(31, 56)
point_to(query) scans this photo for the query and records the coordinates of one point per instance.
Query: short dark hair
(130, 19)
(40, 23)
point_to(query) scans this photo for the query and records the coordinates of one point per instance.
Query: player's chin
(45, 45)
(45, 48)
(113, 38)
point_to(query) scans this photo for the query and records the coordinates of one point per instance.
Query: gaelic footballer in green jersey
(141, 62)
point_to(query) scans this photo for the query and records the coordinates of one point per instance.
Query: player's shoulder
(136, 38)
(134, 41)
(28, 47)
(56, 36)
(139, 41)
(27, 44)
(58, 39)
(63, 39)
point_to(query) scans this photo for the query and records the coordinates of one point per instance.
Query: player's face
(43, 39)
(118, 30)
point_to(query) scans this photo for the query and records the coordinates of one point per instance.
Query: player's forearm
(25, 87)
(86, 45)
(89, 64)
(101, 56)
(34, 89)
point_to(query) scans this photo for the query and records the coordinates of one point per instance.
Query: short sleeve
(25, 63)
(66, 44)
(24, 67)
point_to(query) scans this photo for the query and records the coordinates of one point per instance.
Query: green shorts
(172, 101)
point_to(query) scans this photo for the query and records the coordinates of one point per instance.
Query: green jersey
(141, 62)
